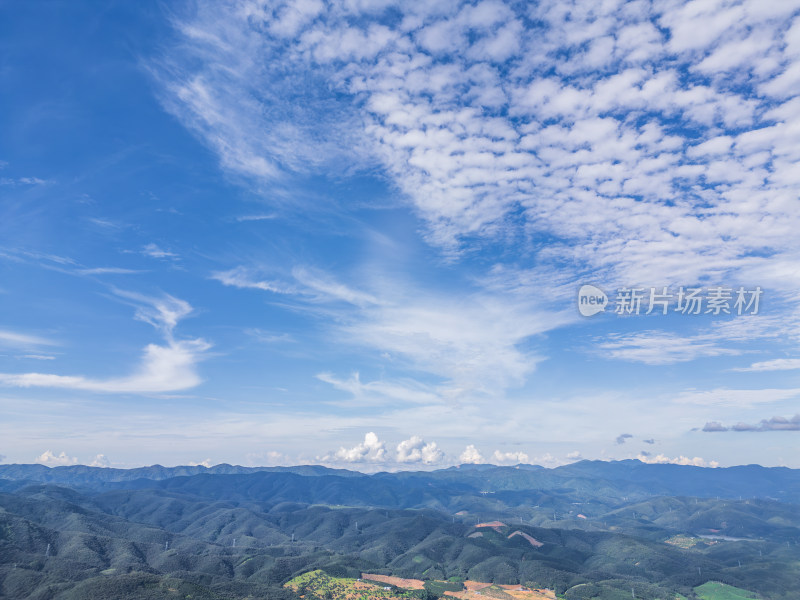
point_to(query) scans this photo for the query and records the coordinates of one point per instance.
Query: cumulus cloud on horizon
(662, 459)
(416, 450)
(509, 458)
(100, 460)
(49, 459)
(471, 456)
(371, 450)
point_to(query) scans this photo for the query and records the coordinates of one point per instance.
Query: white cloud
(778, 364)
(216, 84)
(10, 181)
(292, 16)
(163, 312)
(548, 460)
(109, 271)
(662, 348)
(154, 251)
(662, 459)
(472, 342)
(245, 218)
(162, 368)
(472, 346)
(382, 392)
(203, 463)
(509, 458)
(326, 288)
(371, 450)
(726, 337)
(415, 450)
(610, 176)
(471, 456)
(104, 223)
(48, 459)
(270, 337)
(736, 398)
(650, 143)
(270, 458)
(15, 339)
(240, 277)
(100, 461)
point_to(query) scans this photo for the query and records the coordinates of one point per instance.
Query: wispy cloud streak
(162, 368)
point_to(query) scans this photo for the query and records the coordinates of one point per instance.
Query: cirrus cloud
(162, 368)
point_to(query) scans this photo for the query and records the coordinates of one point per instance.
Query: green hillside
(714, 590)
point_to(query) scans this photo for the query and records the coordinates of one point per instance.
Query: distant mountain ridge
(83, 473)
(613, 479)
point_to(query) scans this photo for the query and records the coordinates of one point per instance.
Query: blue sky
(353, 233)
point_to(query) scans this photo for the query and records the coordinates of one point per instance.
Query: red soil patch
(533, 541)
(409, 584)
(492, 524)
(516, 588)
(474, 586)
(518, 592)
(496, 525)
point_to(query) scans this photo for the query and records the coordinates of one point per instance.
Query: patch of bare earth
(409, 584)
(496, 525)
(533, 541)
(476, 590)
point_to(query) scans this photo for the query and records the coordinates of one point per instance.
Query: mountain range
(591, 529)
